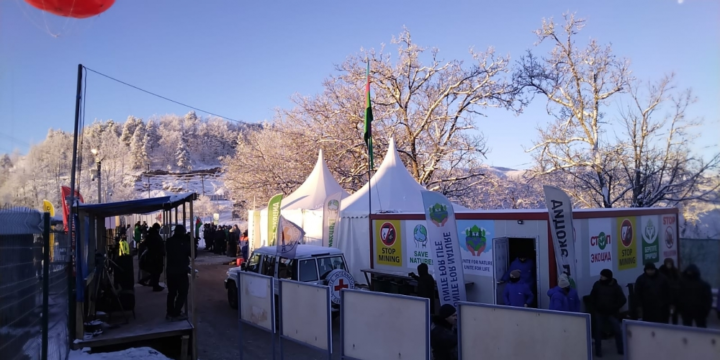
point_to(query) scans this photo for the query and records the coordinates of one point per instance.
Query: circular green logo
(602, 241)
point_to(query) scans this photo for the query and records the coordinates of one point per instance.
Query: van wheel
(232, 295)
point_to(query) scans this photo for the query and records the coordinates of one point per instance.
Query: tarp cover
(140, 206)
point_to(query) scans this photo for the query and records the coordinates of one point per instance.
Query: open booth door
(501, 247)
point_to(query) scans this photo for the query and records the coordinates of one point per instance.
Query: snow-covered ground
(128, 354)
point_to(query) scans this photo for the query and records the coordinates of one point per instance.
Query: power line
(160, 96)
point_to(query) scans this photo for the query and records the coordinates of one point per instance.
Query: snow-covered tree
(129, 129)
(182, 155)
(137, 148)
(151, 134)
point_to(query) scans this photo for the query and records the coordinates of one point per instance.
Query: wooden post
(184, 347)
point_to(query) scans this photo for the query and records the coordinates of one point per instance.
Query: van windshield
(330, 263)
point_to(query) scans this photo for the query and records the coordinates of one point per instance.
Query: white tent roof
(393, 190)
(317, 187)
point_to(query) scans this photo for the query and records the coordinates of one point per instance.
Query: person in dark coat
(672, 274)
(209, 237)
(563, 297)
(426, 285)
(607, 298)
(695, 298)
(38, 257)
(178, 260)
(220, 240)
(155, 257)
(443, 334)
(517, 293)
(653, 295)
(234, 238)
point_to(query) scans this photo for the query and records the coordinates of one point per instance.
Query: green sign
(273, 217)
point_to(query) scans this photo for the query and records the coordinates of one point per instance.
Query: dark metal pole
(73, 245)
(46, 283)
(99, 171)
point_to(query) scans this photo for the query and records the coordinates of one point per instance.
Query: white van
(310, 264)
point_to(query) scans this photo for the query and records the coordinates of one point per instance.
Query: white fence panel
(662, 341)
(305, 314)
(256, 301)
(496, 332)
(378, 326)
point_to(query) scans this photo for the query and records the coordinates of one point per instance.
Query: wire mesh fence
(705, 253)
(23, 266)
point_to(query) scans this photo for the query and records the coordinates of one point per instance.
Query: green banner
(273, 218)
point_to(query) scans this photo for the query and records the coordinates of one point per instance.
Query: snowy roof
(139, 206)
(393, 190)
(317, 187)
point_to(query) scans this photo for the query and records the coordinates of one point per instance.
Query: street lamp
(98, 162)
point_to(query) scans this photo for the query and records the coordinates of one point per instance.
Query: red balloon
(73, 8)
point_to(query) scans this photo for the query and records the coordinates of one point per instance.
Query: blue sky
(243, 59)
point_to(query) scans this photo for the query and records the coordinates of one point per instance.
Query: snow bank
(128, 354)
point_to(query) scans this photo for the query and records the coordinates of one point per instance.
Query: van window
(254, 263)
(308, 270)
(328, 264)
(286, 269)
(268, 265)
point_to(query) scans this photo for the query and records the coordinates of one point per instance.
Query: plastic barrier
(645, 340)
(305, 315)
(256, 304)
(502, 332)
(377, 326)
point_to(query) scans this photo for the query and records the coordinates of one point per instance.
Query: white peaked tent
(394, 190)
(303, 207)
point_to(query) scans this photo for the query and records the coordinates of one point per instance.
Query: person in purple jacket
(518, 293)
(563, 297)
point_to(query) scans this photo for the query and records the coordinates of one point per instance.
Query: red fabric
(72, 8)
(64, 193)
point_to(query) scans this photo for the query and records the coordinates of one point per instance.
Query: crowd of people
(664, 295)
(226, 239)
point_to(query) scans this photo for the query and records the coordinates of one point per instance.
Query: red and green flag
(368, 120)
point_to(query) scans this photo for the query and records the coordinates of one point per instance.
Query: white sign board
(305, 310)
(504, 332)
(256, 300)
(654, 341)
(382, 326)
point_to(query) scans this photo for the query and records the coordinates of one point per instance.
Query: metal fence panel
(21, 287)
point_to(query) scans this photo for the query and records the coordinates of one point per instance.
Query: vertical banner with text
(443, 237)
(273, 217)
(331, 210)
(388, 243)
(669, 232)
(627, 244)
(650, 233)
(561, 226)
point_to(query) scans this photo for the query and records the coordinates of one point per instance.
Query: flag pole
(368, 142)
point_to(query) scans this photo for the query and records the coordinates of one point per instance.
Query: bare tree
(578, 84)
(431, 109)
(658, 164)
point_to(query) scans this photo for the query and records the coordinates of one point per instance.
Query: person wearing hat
(563, 297)
(695, 298)
(672, 274)
(154, 259)
(443, 334)
(178, 260)
(426, 284)
(607, 298)
(518, 293)
(653, 295)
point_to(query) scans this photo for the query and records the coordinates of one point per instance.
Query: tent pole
(370, 226)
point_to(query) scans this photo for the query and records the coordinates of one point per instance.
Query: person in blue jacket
(518, 293)
(526, 267)
(563, 297)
